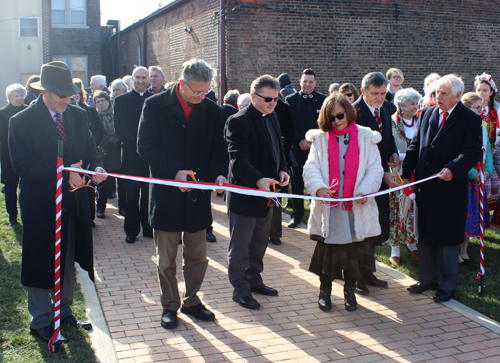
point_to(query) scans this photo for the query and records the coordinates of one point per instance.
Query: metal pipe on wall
(222, 49)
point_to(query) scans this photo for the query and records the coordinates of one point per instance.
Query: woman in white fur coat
(344, 161)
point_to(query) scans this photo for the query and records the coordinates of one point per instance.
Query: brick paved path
(389, 325)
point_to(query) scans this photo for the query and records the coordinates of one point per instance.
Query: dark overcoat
(127, 110)
(387, 147)
(9, 176)
(33, 139)
(227, 111)
(251, 159)
(169, 143)
(442, 205)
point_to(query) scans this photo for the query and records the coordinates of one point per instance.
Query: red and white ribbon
(242, 190)
(57, 264)
(481, 217)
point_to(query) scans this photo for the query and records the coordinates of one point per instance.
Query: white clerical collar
(141, 94)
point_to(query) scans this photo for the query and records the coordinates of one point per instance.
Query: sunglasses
(268, 99)
(339, 117)
(348, 94)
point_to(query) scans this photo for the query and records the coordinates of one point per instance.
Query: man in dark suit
(256, 152)
(181, 130)
(126, 114)
(448, 142)
(230, 106)
(33, 143)
(375, 112)
(306, 105)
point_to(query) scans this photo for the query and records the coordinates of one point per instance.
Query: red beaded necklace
(400, 116)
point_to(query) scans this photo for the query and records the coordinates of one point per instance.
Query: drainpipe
(145, 43)
(222, 49)
(138, 46)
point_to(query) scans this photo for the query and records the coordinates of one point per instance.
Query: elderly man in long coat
(33, 143)
(448, 142)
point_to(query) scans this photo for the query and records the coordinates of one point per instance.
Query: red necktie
(378, 118)
(60, 127)
(445, 116)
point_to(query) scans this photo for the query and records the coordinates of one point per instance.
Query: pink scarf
(351, 162)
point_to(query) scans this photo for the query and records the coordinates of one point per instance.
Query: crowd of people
(348, 144)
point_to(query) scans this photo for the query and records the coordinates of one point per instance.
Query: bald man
(126, 114)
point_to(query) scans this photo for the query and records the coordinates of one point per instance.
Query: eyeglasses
(397, 76)
(268, 99)
(197, 93)
(348, 94)
(339, 117)
(102, 100)
(477, 108)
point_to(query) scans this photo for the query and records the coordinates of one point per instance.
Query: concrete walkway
(389, 325)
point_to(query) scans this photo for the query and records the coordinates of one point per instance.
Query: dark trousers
(91, 191)
(11, 200)
(106, 187)
(136, 210)
(247, 247)
(276, 230)
(298, 188)
(434, 260)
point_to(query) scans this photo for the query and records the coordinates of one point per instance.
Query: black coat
(285, 119)
(387, 147)
(95, 124)
(9, 176)
(168, 143)
(227, 111)
(251, 159)
(33, 139)
(442, 205)
(127, 110)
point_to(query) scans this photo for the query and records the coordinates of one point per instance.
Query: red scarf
(491, 119)
(232, 104)
(351, 162)
(185, 107)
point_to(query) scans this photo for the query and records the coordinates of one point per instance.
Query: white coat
(368, 180)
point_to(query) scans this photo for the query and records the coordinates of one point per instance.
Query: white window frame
(37, 26)
(67, 17)
(68, 59)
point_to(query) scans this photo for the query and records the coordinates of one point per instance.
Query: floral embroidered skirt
(473, 209)
(401, 224)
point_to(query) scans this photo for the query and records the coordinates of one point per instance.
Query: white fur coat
(368, 180)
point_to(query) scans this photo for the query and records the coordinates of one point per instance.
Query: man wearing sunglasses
(181, 137)
(306, 105)
(257, 161)
(33, 143)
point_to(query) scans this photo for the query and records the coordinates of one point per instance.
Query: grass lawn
(467, 287)
(17, 345)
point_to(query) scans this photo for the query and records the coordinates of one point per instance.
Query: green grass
(16, 343)
(467, 287)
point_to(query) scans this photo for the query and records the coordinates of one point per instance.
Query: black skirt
(341, 261)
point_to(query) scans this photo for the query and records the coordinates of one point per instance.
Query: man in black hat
(33, 143)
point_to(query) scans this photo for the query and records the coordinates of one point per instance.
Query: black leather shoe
(293, 223)
(350, 302)
(199, 311)
(13, 221)
(100, 213)
(264, 290)
(247, 302)
(361, 288)
(373, 281)
(444, 295)
(169, 319)
(148, 234)
(211, 238)
(121, 211)
(71, 320)
(46, 333)
(275, 241)
(112, 195)
(420, 289)
(130, 239)
(325, 300)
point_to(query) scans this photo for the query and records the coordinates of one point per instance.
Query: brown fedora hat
(56, 77)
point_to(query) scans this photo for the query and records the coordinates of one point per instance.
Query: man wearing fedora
(33, 143)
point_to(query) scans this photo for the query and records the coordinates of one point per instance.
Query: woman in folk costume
(404, 125)
(343, 161)
(474, 102)
(486, 88)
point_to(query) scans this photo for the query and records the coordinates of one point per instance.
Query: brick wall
(86, 41)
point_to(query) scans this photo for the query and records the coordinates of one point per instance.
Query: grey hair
(118, 82)
(155, 68)
(334, 87)
(197, 70)
(376, 79)
(452, 81)
(403, 96)
(128, 80)
(264, 81)
(244, 100)
(99, 79)
(232, 96)
(14, 87)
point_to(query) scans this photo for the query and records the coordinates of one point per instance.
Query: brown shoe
(414, 255)
(395, 260)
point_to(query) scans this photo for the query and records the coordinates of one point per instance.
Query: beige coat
(368, 180)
